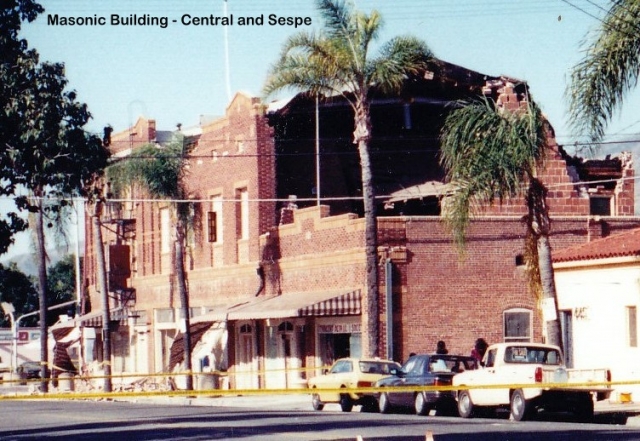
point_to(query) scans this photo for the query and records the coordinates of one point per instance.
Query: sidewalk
(302, 401)
(298, 401)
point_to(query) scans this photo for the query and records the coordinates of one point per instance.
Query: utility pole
(103, 287)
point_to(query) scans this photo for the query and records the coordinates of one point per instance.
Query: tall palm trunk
(540, 227)
(41, 258)
(362, 136)
(184, 300)
(104, 293)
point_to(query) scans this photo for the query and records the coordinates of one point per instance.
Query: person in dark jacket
(441, 348)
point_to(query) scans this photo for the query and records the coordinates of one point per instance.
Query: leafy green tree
(337, 61)
(609, 70)
(46, 149)
(161, 172)
(15, 60)
(490, 154)
(18, 289)
(61, 286)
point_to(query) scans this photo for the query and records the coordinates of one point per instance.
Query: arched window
(518, 324)
(285, 327)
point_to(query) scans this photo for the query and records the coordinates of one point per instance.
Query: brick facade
(238, 163)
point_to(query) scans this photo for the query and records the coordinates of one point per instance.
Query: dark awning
(304, 304)
(176, 353)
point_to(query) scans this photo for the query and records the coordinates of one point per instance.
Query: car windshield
(377, 367)
(532, 355)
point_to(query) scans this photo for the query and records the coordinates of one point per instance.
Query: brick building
(276, 280)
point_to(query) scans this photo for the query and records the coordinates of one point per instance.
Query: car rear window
(372, 367)
(451, 364)
(532, 355)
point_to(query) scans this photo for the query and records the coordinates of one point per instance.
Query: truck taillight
(538, 375)
(608, 376)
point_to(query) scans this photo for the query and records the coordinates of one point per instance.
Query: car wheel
(383, 403)
(345, 403)
(520, 408)
(421, 404)
(583, 410)
(316, 403)
(465, 405)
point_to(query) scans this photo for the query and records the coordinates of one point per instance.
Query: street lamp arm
(29, 314)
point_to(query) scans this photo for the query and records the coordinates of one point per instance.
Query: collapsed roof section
(405, 143)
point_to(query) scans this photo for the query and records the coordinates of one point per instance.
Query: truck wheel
(520, 408)
(465, 405)
(584, 408)
(421, 404)
(383, 403)
(345, 403)
(316, 403)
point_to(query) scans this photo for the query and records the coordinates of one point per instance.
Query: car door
(414, 372)
(490, 376)
(337, 376)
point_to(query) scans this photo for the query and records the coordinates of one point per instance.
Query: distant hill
(27, 263)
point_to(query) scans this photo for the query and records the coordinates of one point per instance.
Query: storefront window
(338, 340)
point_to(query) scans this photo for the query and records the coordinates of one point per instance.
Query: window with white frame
(165, 231)
(214, 220)
(632, 326)
(601, 205)
(518, 324)
(242, 197)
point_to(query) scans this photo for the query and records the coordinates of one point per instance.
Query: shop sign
(340, 328)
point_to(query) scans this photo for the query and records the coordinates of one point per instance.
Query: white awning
(426, 189)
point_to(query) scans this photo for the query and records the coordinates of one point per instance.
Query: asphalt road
(113, 420)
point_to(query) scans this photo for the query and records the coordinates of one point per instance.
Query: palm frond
(398, 58)
(609, 70)
(338, 18)
(310, 63)
(488, 155)
(159, 170)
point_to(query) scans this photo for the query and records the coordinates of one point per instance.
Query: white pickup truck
(526, 377)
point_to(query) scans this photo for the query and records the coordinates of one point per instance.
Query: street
(147, 420)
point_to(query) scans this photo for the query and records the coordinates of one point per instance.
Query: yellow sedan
(347, 373)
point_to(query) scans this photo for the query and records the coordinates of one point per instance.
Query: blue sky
(177, 73)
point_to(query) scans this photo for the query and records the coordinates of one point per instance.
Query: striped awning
(304, 304)
(345, 304)
(92, 319)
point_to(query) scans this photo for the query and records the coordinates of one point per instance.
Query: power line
(287, 199)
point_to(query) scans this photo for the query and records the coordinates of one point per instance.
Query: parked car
(553, 387)
(424, 370)
(28, 370)
(349, 373)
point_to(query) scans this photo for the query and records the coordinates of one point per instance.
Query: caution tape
(120, 391)
(163, 384)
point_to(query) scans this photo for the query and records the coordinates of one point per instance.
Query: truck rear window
(532, 355)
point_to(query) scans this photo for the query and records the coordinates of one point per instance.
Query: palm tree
(491, 154)
(336, 61)
(609, 70)
(161, 172)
